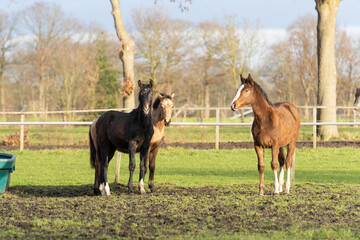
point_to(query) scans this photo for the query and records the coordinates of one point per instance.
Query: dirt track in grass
(199, 145)
(175, 212)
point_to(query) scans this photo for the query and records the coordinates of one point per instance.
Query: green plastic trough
(7, 166)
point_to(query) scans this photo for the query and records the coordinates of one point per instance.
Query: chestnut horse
(126, 132)
(275, 126)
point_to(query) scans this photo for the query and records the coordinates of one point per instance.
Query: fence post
(217, 129)
(314, 127)
(117, 169)
(354, 117)
(22, 119)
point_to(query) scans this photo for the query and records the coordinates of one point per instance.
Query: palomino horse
(126, 132)
(162, 110)
(275, 126)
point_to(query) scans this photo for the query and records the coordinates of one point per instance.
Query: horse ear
(140, 83)
(251, 81)
(172, 95)
(151, 83)
(242, 79)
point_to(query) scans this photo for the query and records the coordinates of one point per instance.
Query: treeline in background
(50, 61)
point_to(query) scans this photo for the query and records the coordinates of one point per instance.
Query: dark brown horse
(275, 126)
(161, 117)
(126, 132)
(357, 98)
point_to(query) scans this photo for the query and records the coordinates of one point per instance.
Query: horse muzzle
(167, 123)
(233, 107)
(146, 109)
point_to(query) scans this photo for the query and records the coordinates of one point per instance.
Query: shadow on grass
(62, 191)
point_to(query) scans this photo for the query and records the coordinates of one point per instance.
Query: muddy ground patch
(176, 212)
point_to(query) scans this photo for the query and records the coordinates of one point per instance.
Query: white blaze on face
(237, 94)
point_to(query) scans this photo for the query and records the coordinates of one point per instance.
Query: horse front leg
(143, 157)
(261, 167)
(97, 176)
(152, 158)
(275, 167)
(132, 163)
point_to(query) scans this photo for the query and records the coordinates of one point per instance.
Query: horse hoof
(276, 194)
(143, 192)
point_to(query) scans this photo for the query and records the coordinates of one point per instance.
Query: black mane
(159, 99)
(263, 93)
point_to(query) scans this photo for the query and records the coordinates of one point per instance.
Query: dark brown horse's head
(145, 96)
(244, 94)
(357, 98)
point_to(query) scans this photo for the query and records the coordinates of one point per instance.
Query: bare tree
(303, 46)
(48, 28)
(126, 54)
(7, 25)
(348, 68)
(209, 58)
(239, 46)
(327, 11)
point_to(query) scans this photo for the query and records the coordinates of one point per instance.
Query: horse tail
(92, 150)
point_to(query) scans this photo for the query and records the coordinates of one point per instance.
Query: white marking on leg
(287, 187)
(281, 179)
(276, 183)
(142, 186)
(237, 94)
(102, 189)
(107, 190)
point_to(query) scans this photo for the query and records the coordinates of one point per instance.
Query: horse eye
(246, 90)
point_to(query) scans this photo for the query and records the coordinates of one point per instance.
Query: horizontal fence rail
(214, 124)
(184, 123)
(217, 124)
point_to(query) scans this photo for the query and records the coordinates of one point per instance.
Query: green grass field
(189, 167)
(201, 194)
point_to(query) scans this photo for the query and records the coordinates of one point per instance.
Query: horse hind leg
(275, 167)
(152, 168)
(289, 160)
(281, 158)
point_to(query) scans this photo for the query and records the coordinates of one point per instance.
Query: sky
(274, 15)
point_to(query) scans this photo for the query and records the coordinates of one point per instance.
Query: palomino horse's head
(145, 96)
(357, 98)
(244, 94)
(165, 104)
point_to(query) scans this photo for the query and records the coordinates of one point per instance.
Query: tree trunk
(127, 56)
(2, 89)
(327, 10)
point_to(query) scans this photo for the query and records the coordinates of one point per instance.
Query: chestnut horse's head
(357, 98)
(245, 93)
(165, 105)
(145, 96)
